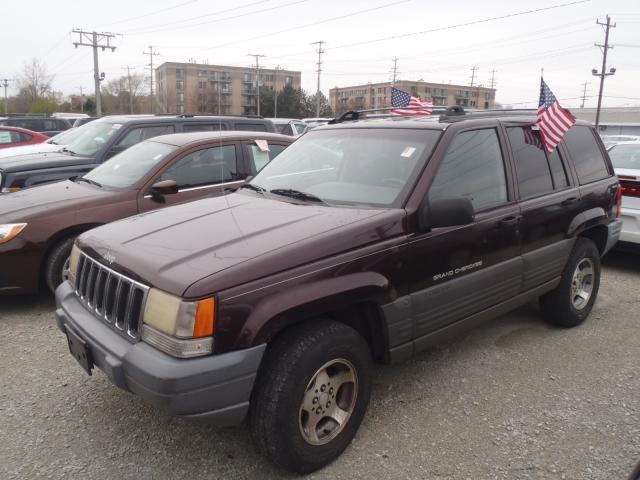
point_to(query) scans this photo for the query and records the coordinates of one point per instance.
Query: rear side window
(8, 136)
(537, 171)
(144, 133)
(204, 127)
(473, 167)
(251, 127)
(260, 158)
(587, 158)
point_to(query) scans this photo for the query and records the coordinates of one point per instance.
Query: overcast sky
(362, 37)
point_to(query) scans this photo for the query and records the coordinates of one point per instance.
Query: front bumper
(20, 261)
(631, 225)
(214, 389)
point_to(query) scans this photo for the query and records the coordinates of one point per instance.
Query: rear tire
(311, 374)
(571, 302)
(57, 264)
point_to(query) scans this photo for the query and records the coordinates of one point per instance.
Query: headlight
(179, 328)
(10, 230)
(74, 260)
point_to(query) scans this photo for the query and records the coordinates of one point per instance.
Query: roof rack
(355, 115)
(191, 115)
(449, 114)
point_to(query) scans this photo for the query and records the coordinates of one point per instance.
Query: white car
(625, 157)
(289, 126)
(610, 140)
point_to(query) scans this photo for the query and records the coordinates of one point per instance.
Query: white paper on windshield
(263, 145)
(408, 152)
(116, 126)
(260, 158)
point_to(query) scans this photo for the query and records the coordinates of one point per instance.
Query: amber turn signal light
(205, 321)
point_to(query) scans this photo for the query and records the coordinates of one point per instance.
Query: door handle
(569, 201)
(510, 220)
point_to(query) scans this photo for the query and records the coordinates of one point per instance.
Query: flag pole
(542, 72)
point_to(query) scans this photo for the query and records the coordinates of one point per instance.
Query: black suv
(363, 240)
(103, 138)
(47, 126)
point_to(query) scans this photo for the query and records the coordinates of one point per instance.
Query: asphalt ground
(513, 399)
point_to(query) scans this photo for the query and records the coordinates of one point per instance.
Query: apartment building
(378, 95)
(215, 89)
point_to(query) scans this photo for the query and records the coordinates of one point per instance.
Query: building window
(288, 80)
(179, 72)
(179, 84)
(247, 77)
(180, 108)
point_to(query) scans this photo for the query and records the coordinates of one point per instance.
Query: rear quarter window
(590, 164)
(251, 127)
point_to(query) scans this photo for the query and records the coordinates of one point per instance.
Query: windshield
(128, 167)
(374, 167)
(625, 156)
(93, 137)
(66, 137)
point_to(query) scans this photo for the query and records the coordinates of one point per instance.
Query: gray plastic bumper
(213, 389)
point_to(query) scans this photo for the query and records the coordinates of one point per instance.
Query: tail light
(629, 189)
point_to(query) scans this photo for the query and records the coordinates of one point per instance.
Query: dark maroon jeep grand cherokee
(364, 240)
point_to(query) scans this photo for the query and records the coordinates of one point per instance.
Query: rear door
(458, 271)
(209, 170)
(549, 203)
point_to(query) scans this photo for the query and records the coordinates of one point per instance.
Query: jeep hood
(35, 161)
(49, 200)
(226, 241)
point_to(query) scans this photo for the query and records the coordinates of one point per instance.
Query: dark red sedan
(16, 137)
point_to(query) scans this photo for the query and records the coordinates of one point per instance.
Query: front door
(204, 172)
(458, 271)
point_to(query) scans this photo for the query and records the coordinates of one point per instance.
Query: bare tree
(35, 82)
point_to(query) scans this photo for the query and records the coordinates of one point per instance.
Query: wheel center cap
(324, 398)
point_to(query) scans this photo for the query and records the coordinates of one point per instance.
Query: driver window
(209, 166)
(144, 133)
(473, 167)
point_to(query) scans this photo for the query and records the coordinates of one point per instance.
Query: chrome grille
(116, 299)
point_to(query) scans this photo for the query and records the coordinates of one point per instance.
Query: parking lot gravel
(513, 399)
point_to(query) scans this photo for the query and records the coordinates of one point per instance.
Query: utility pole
(275, 91)
(319, 70)
(473, 75)
(151, 54)
(81, 100)
(95, 40)
(584, 94)
(5, 84)
(394, 71)
(603, 73)
(130, 91)
(257, 56)
(492, 83)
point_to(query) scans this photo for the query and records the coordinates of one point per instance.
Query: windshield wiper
(66, 150)
(297, 194)
(92, 182)
(255, 188)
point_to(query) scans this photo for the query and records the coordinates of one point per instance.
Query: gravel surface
(514, 399)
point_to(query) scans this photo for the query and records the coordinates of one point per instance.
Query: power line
(95, 40)
(148, 14)
(175, 27)
(319, 70)
(465, 24)
(298, 27)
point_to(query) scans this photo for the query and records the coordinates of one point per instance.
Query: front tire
(311, 395)
(56, 269)
(571, 302)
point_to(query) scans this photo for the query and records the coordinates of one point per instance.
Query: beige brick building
(378, 95)
(215, 89)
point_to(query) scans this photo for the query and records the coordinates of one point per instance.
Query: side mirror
(165, 187)
(446, 212)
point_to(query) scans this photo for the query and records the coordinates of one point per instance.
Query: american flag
(553, 120)
(532, 137)
(404, 104)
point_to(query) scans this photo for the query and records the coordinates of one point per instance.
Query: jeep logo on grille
(109, 257)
